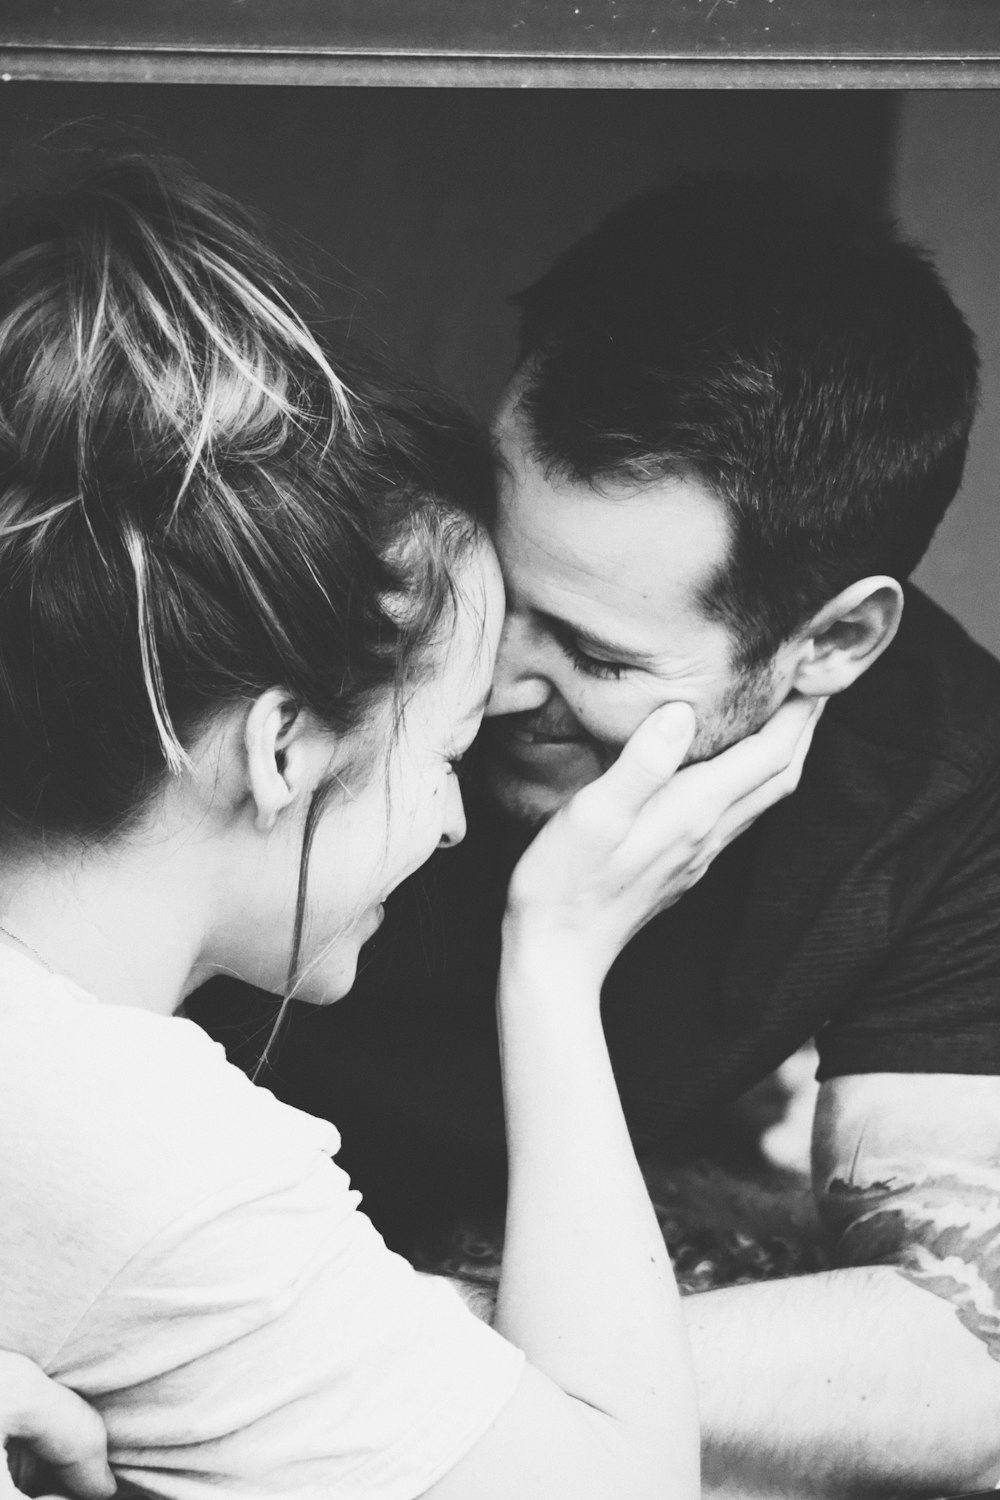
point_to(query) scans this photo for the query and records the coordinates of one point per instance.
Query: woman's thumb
(652, 755)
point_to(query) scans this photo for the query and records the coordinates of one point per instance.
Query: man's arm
(883, 1375)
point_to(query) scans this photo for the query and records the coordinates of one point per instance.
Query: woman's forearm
(587, 1288)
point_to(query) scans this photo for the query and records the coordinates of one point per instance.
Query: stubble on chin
(524, 802)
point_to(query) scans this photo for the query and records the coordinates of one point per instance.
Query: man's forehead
(643, 551)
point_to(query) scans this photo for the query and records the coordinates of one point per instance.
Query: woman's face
(388, 820)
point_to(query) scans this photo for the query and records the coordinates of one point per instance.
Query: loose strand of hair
(41, 521)
(279, 313)
(175, 755)
(257, 545)
(273, 310)
(293, 977)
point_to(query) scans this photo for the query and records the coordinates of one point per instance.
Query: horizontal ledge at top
(418, 57)
(160, 66)
(445, 56)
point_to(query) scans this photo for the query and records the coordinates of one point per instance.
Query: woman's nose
(519, 681)
(453, 829)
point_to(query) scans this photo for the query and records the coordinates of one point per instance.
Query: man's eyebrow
(603, 645)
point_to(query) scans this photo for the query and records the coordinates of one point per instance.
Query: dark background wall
(435, 204)
(440, 202)
(947, 193)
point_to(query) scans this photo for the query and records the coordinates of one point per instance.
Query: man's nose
(453, 827)
(520, 684)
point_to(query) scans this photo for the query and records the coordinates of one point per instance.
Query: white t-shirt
(179, 1247)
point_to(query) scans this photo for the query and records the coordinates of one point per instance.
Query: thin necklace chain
(27, 947)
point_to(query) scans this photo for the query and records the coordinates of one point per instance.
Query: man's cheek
(613, 722)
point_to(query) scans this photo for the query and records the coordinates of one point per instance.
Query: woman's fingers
(708, 804)
(726, 792)
(564, 871)
(631, 843)
(763, 769)
(648, 762)
(773, 751)
(748, 809)
(56, 1426)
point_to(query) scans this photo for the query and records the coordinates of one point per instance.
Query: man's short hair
(792, 353)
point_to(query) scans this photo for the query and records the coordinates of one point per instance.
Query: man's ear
(846, 636)
(270, 728)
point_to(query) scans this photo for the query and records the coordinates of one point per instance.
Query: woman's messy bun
(194, 506)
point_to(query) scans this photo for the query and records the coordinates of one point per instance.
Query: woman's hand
(631, 843)
(54, 1426)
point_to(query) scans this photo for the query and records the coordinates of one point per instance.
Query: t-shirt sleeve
(262, 1340)
(271, 1345)
(933, 1004)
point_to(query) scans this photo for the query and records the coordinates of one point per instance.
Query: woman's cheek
(422, 819)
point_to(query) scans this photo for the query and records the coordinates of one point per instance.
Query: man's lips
(525, 735)
(527, 732)
(530, 744)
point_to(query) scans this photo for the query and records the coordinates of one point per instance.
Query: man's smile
(542, 750)
(523, 735)
(533, 731)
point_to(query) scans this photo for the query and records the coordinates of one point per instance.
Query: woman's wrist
(542, 959)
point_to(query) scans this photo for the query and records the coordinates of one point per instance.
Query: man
(740, 412)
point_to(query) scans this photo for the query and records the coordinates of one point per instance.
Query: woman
(248, 619)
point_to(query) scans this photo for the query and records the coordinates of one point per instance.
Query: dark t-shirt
(864, 911)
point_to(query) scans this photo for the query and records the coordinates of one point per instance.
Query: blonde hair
(195, 504)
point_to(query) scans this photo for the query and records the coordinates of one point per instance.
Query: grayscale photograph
(500, 749)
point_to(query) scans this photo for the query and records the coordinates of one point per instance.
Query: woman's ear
(846, 636)
(272, 724)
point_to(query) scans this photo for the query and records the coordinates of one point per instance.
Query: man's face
(603, 626)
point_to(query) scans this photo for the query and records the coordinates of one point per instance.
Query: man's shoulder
(903, 773)
(933, 698)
